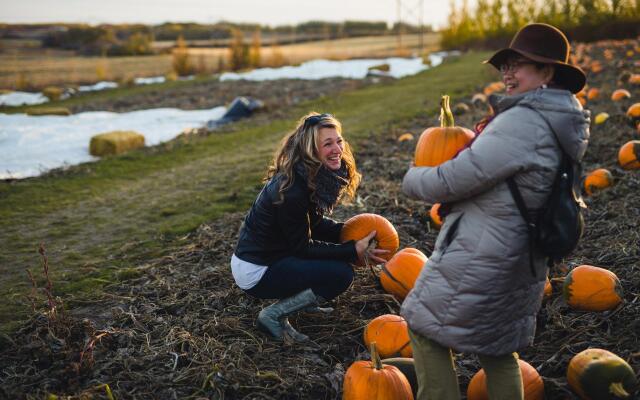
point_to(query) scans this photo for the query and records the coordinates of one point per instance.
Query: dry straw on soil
(184, 330)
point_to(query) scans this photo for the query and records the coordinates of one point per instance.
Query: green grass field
(101, 222)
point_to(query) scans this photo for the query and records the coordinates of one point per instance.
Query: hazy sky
(265, 12)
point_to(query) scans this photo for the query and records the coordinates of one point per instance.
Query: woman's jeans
(291, 275)
(437, 379)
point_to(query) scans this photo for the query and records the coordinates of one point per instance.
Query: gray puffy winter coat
(476, 293)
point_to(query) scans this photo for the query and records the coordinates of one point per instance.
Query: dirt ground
(184, 330)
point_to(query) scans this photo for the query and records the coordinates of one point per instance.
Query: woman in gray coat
(477, 293)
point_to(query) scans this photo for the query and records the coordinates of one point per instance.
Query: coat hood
(569, 121)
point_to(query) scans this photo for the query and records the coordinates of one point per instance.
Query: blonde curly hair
(301, 145)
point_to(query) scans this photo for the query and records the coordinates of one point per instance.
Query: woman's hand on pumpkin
(367, 254)
(373, 255)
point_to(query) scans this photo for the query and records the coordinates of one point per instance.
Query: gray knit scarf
(329, 186)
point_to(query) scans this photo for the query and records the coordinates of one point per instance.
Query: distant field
(28, 68)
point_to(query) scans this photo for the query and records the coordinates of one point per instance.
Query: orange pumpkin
(620, 94)
(493, 87)
(531, 382)
(596, 67)
(415, 251)
(439, 144)
(374, 380)
(634, 79)
(582, 101)
(590, 288)
(597, 180)
(435, 217)
(634, 111)
(628, 155)
(399, 274)
(359, 226)
(407, 367)
(583, 91)
(391, 334)
(405, 137)
(593, 93)
(548, 289)
(598, 374)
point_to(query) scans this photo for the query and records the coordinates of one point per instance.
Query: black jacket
(291, 228)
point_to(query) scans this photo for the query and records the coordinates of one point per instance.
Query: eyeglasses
(314, 120)
(513, 66)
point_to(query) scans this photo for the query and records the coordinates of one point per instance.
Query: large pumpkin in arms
(359, 226)
(439, 144)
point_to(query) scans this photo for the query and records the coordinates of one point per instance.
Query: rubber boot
(272, 318)
(292, 332)
(317, 309)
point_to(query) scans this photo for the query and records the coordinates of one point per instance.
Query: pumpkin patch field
(182, 329)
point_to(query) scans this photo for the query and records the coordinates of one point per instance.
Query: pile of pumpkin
(593, 373)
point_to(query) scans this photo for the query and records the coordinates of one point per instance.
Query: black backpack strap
(531, 225)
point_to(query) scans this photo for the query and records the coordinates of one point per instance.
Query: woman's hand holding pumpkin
(367, 253)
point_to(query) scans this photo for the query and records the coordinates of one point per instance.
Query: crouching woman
(287, 248)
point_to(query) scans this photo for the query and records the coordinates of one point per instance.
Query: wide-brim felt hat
(545, 44)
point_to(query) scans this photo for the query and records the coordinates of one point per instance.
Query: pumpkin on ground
(373, 380)
(628, 155)
(399, 274)
(391, 335)
(634, 79)
(620, 94)
(582, 100)
(531, 383)
(590, 288)
(593, 93)
(359, 226)
(634, 111)
(601, 118)
(435, 217)
(597, 374)
(405, 137)
(439, 144)
(408, 369)
(548, 289)
(597, 180)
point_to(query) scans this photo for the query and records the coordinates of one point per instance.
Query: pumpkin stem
(375, 357)
(446, 116)
(617, 390)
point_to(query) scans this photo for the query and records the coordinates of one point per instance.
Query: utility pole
(421, 28)
(399, 27)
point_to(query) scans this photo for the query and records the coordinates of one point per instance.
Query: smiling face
(521, 75)
(330, 147)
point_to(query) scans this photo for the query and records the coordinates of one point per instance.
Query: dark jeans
(291, 275)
